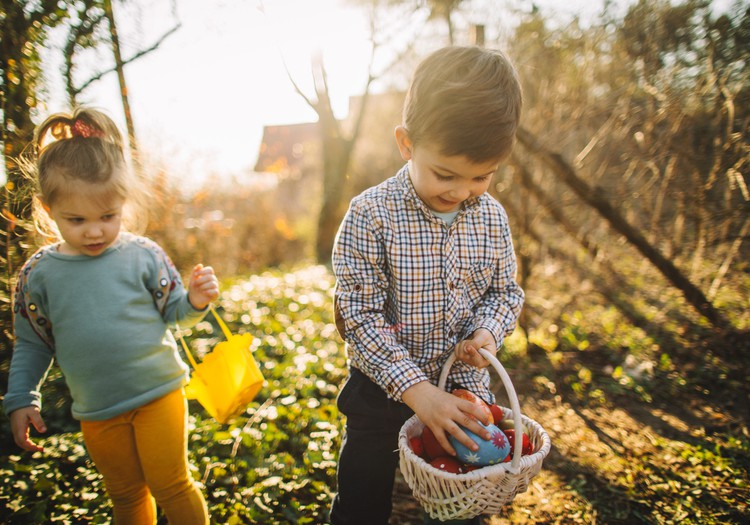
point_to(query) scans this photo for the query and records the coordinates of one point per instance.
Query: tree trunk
(595, 198)
(119, 66)
(335, 166)
(337, 155)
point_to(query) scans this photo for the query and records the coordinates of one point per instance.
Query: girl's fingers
(38, 422)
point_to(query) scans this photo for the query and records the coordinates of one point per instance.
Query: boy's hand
(203, 287)
(443, 413)
(20, 422)
(468, 349)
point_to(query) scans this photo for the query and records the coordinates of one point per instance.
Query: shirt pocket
(476, 282)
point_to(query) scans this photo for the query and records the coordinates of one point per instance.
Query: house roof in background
(282, 146)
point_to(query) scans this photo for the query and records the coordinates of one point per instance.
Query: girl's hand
(203, 287)
(443, 413)
(468, 349)
(20, 422)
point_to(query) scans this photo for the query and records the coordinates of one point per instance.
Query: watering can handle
(223, 327)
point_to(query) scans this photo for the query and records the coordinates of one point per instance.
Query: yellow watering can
(228, 378)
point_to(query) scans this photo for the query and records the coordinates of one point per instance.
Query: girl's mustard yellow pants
(142, 456)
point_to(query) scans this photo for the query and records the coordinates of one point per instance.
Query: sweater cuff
(192, 315)
(14, 402)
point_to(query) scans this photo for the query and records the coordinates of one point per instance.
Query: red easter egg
(497, 414)
(446, 463)
(417, 445)
(432, 448)
(526, 448)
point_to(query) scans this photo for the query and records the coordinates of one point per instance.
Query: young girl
(100, 301)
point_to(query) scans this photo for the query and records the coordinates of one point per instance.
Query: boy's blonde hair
(465, 101)
(81, 151)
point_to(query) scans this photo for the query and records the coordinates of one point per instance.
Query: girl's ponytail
(83, 123)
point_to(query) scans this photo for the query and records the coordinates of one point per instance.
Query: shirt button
(451, 333)
(357, 287)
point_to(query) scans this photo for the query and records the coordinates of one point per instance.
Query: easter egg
(447, 464)
(417, 445)
(490, 452)
(486, 418)
(526, 447)
(432, 448)
(510, 423)
(497, 414)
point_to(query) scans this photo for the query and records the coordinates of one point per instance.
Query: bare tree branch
(733, 251)
(128, 61)
(77, 33)
(595, 198)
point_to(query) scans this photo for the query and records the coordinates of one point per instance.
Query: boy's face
(442, 182)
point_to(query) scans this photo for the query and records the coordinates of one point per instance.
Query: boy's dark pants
(369, 452)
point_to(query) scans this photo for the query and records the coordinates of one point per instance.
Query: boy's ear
(404, 143)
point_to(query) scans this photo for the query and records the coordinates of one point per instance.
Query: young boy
(424, 265)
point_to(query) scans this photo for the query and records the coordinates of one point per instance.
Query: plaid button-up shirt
(409, 287)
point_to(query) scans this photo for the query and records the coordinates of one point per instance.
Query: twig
(128, 61)
(255, 417)
(733, 251)
(238, 439)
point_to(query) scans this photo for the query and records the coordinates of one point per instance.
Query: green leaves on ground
(274, 464)
(623, 450)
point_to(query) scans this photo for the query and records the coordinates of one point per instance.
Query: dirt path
(548, 499)
(625, 462)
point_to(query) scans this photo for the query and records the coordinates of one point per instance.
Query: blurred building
(285, 149)
(293, 151)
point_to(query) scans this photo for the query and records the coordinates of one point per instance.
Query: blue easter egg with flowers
(490, 452)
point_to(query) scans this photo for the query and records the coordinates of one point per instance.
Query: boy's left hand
(203, 287)
(468, 349)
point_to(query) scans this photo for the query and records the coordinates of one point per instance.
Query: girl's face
(442, 182)
(87, 225)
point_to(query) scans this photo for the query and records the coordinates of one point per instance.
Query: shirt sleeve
(499, 308)
(33, 351)
(168, 290)
(359, 263)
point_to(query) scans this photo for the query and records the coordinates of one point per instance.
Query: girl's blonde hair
(82, 151)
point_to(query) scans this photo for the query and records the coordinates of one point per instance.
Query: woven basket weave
(447, 496)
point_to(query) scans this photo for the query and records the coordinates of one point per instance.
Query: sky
(200, 101)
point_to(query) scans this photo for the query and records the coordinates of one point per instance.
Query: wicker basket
(447, 496)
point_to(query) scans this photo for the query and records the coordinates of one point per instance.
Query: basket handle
(514, 405)
(224, 330)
